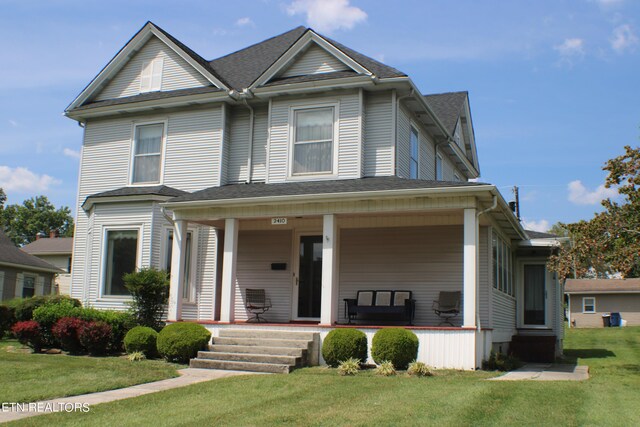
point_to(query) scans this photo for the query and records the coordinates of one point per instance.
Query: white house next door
(535, 295)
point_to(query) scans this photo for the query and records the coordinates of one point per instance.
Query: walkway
(546, 372)
(187, 376)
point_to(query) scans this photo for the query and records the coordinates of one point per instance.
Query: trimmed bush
(180, 342)
(396, 345)
(24, 307)
(150, 292)
(28, 333)
(95, 337)
(6, 319)
(66, 332)
(342, 344)
(141, 339)
(48, 315)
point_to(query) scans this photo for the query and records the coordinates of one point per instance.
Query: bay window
(121, 254)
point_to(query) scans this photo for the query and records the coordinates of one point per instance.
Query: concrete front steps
(258, 350)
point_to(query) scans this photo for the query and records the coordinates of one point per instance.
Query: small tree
(150, 291)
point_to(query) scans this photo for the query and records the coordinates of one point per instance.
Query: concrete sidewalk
(546, 372)
(187, 376)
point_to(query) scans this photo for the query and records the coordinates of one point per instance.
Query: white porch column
(330, 245)
(178, 252)
(229, 262)
(470, 267)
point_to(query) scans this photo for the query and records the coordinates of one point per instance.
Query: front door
(535, 295)
(309, 278)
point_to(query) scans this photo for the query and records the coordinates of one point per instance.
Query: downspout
(250, 151)
(482, 212)
(398, 99)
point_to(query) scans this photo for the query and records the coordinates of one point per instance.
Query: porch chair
(257, 304)
(447, 307)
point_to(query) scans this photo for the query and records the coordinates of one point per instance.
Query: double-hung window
(121, 253)
(414, 154)
(313, 140)
(28, 286)
(147, 153)
(588, 305)
(188, 289)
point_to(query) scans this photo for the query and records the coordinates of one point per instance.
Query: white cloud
(22, 179)
(580, 195)
(570, 49)
(243, 22)
(328, 15)
(623, 38)
(541, 226)
(71, 153)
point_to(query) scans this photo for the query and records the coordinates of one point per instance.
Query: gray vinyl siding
(378, 135)
(314, 60)
(176, 72)
(484, 287)
(238, 145)
(449, 169)
(403, 147)
(427, 156)
(192, 154)
(424, 260)
(226, 144)
(260, 138)
(256, 251)
(349, 126)
(503, 312)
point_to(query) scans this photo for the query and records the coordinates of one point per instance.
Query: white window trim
(35, 284)
(194, 256)
(414, 129)
(334, 146)
(584, 300)
(508, 289)
(163, 149)
(520, 294)
(441, 169)
(103, 259)
(151, 88)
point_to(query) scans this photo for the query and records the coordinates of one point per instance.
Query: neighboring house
(304, 168)
(56, 251)
(589, 299)
(21, 274)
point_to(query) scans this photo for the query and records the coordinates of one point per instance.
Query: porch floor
(306, 324)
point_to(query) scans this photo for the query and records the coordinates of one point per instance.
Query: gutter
(32, 268)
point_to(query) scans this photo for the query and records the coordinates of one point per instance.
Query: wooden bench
(379, 304)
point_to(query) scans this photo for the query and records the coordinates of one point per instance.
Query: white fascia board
(472, 136)
(31, 268)
(123, 56)
(608, 292)
(462, 156)
(549, 243)
(289, 55)
(90, 201)
(342, 83)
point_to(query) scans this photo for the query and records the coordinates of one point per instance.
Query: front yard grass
(318, 396)
(26, 377)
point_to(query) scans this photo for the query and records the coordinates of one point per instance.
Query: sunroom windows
(502, 266)
(313, 140)
(147, 153)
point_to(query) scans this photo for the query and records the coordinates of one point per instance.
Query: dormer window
(414, 154)
(439, 174)
(313, 138)
(147, 153)
(151, 76)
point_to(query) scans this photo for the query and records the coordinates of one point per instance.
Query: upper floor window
(438, 167)
(151, 76)
(313, 139)
(414, 154)
(147, 153)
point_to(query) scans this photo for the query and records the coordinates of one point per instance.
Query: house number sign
(278, 221)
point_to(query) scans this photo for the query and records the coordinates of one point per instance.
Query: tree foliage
(35, 215)
(150, 292)
(609, 243)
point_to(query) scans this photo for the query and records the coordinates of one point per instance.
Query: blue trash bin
(615, 319)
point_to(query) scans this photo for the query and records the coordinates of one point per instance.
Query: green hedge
(180, 342)
(342, 344)
(396, 345)
(23, 308)
(141, 338)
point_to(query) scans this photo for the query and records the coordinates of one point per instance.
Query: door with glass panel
(308, 286)
(535, 295)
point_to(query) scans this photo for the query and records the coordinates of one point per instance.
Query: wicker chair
(257, 304)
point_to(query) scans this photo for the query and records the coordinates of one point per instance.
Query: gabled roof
(11, 256)
(49, 246)
(144, 192)
(448, 107)
(601, 285)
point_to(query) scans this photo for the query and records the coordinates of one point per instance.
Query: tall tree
(609, 243)
(36, 215)
(3, 199)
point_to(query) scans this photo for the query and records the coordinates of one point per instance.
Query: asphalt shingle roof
(311, 78)
(245, 191)
(448, 107)
(45, 246)
(539, 235)
(602, 285)
(156, 190)
(11, 254)
(149, 96)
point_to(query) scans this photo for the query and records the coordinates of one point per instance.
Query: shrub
(6, 319)
(150, 291)
(136, 356)
(419, 369)
(28, 333)
(180, 342)
(24, 307)
(398, 346)
(342, 344)
(500, 362)
(48, 315)
(141, 339)
(95, 337)
(349, 367)
(66, 332)
(385, 368)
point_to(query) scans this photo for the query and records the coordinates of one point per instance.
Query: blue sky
(553, 84)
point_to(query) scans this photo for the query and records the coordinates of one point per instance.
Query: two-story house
(303, 168)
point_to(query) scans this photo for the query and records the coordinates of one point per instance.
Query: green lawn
(318, 396)
(26, 377)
